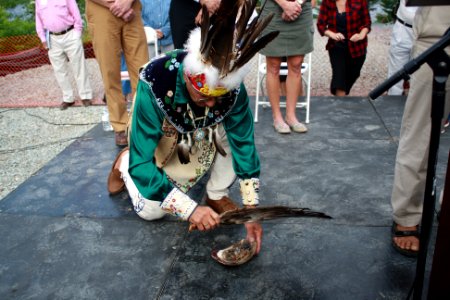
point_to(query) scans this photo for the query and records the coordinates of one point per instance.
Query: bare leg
(293, 86)
(273, 87)
(293, 89)
(273, 92)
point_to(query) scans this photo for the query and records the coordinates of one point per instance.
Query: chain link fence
(19, 53)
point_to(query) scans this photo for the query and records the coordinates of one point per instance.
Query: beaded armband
(179, 204)
(249, 191)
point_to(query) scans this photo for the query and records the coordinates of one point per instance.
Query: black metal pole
(440, 63)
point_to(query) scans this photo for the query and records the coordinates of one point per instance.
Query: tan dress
(295, 38)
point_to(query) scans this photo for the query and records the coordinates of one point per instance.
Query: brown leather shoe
(121, 139)
(222, 205)
(65, 105)
(115, 182)
(86, 102)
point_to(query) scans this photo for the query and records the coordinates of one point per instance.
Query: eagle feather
(258, 214)
(227, 43)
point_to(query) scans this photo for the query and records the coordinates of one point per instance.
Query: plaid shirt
(357, 17)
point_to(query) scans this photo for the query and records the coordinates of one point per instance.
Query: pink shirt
(56, 16)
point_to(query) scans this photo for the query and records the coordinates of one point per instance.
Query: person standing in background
(155, 14)
(295, 23)
(283, 77)
(59, 27)
(346, 23)
(184, 16)
(411, 163)
(401, 43)
(116, 26)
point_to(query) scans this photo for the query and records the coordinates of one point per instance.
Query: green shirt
(146, 131)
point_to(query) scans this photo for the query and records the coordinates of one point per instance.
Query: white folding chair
(152, 39)
(306, 78)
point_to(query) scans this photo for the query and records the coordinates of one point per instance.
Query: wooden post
(439, 287)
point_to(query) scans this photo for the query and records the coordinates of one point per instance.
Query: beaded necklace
(199, 133)
(187, 146)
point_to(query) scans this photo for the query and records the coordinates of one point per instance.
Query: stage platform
(64, 237)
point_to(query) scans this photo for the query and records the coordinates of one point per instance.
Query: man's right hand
(120, 7)
(204, 218)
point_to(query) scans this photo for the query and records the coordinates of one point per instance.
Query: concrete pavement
(64, 237)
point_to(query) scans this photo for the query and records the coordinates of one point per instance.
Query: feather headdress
(219, 50)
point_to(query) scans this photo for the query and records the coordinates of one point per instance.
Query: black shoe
(86, 102)
(65, 105)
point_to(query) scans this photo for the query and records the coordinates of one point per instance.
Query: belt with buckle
(403, 22)
(62, 32)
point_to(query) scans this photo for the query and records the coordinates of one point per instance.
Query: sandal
(404, 233)
(297, 127)
(281, 128)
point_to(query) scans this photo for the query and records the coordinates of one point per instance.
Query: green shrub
(388, 7)
(13, 27)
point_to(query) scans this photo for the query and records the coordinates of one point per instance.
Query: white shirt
(406, 13)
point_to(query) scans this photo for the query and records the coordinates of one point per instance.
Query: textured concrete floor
(64, 237)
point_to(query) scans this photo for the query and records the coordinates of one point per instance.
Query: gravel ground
(34, 130)
(34, 136)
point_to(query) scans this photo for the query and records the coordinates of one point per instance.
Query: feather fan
(263, 213)
(257, 214)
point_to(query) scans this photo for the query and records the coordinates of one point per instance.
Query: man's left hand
(129, 15)
(159, 34)
(254, 234)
